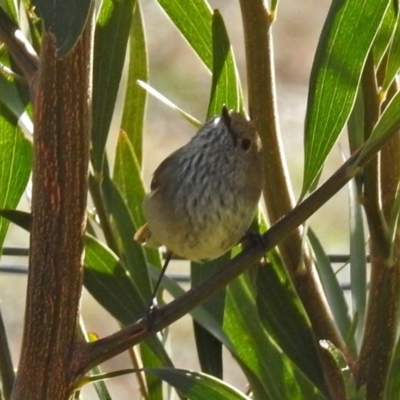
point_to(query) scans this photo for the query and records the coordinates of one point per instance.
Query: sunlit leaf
(225, 86)
(135, 98)
(193, 20)
(110, 44)
(198, 386)
(345, 42)
(15, 166)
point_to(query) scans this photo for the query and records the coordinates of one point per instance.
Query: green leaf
(156, 94)
(15, 97)
(20, 218)
(225, 87)
(108, 282)
(385, 34)
(345, 42)
(393, 57)
(110, 43)
(358, 262)
(333, 292)
(270, 368)
(193, 20)
(388, 123)
(15, 166)
(134, 258)
(198, 386)
(128, 179)
(65, 20)
(283, 316)
(209, 348)
(135, 98)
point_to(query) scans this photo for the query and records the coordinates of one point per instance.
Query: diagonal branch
(89, 355)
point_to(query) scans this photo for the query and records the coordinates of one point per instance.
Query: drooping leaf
(345, 42)
(198, 386)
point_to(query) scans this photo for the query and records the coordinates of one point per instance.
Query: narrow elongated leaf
(284, 318)
(209, 348)
(20, 218)
(347, 37)
(15, 166)
(128, 179)
(156, 94)
(393, 59)
(135, 97)
(193, 20)
(65, 20)
(111, 38)
(332, 289)
(225, 87)
(358, 262)
(133, 253)
(256, 351)
(198, 386)
(109, 283)
(385, 34)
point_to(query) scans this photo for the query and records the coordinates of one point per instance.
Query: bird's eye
(245, 144)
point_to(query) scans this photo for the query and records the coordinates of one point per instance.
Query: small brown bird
(204, 195)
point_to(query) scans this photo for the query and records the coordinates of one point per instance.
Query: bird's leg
(153, 302)
(252, 239)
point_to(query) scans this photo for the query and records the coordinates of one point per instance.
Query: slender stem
(89, 355)
(279, 201)
(60, 168)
